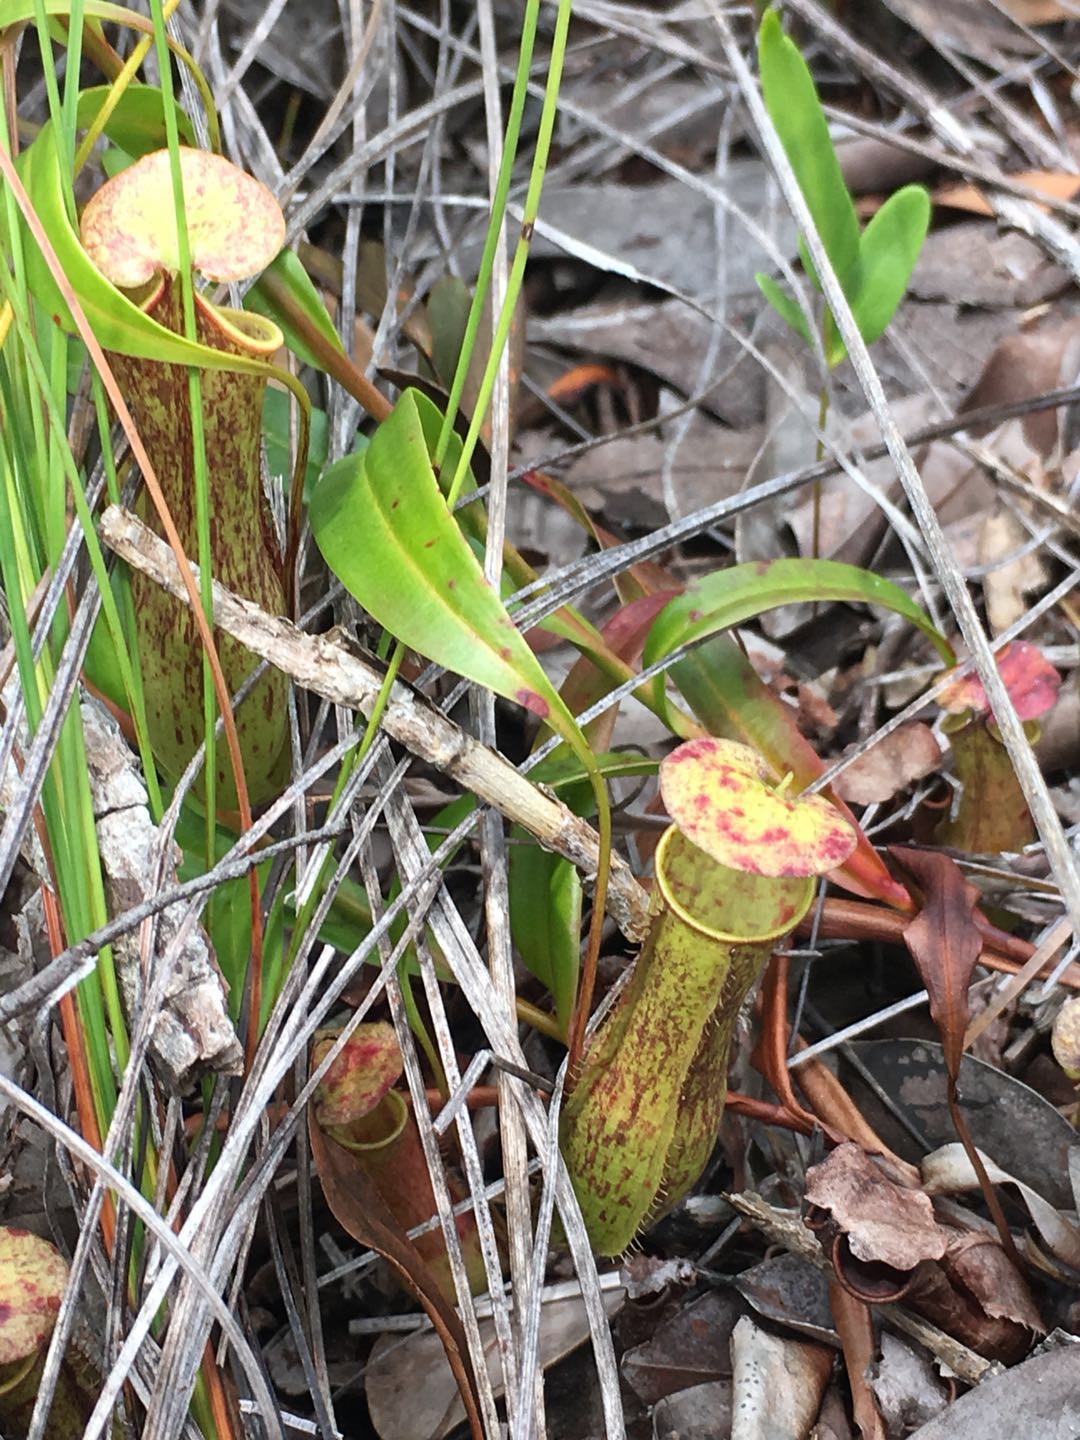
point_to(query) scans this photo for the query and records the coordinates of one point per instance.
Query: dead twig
(341, 671)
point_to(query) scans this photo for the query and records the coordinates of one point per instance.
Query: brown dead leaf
(1058, 185)
(971, 264)
(1024, 365)
(944, 942)
(885, 1243)
(976, 1263)
(855, 1324)
(908, 754)
(1037, 12)
(953, 1309)
(876, 1232)
(980, 30)
(1014, 572)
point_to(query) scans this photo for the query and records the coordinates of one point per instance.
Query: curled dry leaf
(908, 754)
(885, 1243)
(720, 795)
(1030, 679)
(235, 226)
(949, 1171)
(868, 1218)
(978, 1269)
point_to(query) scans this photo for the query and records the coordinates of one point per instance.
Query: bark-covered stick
(341, 671)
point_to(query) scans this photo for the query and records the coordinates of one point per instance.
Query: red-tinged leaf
(728, 597)
(719, 794)
(361, 1211)
(944, 942)
(624, 635)
(1030, 679)
(643, 578)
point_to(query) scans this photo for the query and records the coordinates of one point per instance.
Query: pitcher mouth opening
(684, 871)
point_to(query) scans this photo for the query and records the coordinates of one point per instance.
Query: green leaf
(888, 252)
(448, 308)
(545, 919)
(383, 527)
(729, 597)
(793, 105)
(785, 306)
(137, 125)
(12, 12)
(288, 270)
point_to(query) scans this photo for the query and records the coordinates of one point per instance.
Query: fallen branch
(335, 667)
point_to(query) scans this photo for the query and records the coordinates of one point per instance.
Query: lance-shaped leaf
(383, 527)
(137, 123)
(888, 250)
(729, 597)
(545, 920)
(792, 101)
(719, 794)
